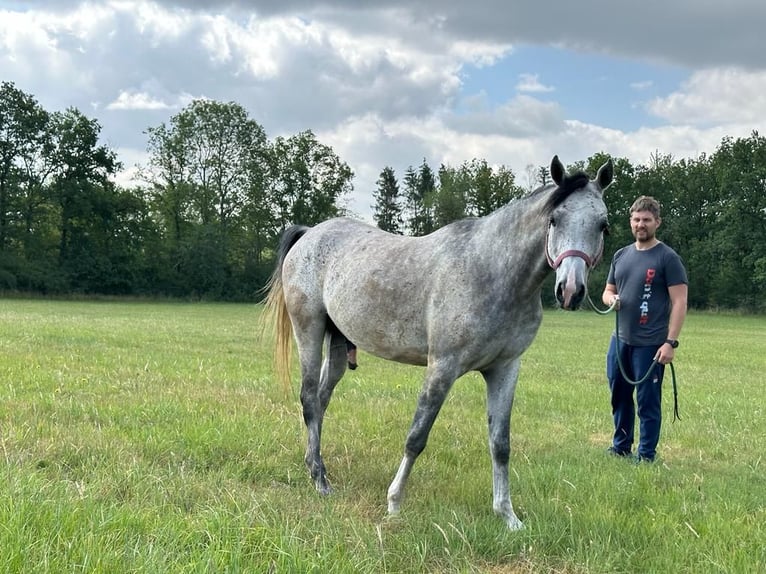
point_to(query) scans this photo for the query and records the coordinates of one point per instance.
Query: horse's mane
(571, 183)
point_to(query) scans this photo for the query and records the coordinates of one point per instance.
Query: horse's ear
(557, 170)
(605, 174)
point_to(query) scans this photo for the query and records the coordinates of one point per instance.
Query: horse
(466, 297)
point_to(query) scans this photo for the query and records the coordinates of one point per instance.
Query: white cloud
(718, 96)
(254, 48)
(531, 83)
(131, 159)
(153, 22)
(521, 117)
(130, 100)
(382, 85)
(480, 54)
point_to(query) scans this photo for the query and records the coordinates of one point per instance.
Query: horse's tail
(276, 310)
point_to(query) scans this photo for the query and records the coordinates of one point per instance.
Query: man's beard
(643, 236)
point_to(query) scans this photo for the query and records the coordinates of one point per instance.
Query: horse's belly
(406, 356)
(385, 336)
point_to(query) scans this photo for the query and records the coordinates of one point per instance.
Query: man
(647, 284)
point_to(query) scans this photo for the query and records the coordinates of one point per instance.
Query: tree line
(211, 201)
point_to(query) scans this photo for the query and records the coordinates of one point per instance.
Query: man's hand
(665, 354)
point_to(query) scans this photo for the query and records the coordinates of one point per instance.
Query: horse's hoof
(323, 488)
(511, 520)
(392, 519)
(393, 506)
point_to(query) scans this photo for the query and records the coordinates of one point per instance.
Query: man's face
(643, 224)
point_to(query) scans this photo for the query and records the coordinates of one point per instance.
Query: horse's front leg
(436, 386)
(501, 386)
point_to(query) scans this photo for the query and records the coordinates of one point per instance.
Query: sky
(396, 82)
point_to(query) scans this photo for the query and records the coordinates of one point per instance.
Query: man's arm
(678, 295)
(609, 295)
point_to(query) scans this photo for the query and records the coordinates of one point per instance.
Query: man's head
(646, 203)
(645, 219)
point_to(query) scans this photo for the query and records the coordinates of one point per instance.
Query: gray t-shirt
(642, 279)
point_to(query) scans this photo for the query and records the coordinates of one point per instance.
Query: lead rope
(651, 367)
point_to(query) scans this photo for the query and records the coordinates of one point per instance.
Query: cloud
(521, 117)
(130, 100)
(718, 96)
(531, 83)
(383, 84)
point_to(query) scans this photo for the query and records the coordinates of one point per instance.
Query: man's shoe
(640, 459)
(616, 452)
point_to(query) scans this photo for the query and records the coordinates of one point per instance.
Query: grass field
(151, 437)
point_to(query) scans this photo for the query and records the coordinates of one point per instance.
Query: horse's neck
(518, 231)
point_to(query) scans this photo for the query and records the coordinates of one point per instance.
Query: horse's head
(577, 223)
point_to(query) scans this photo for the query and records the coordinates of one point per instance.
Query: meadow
(152, 437)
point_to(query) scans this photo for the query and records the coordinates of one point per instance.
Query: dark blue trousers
(636, 361)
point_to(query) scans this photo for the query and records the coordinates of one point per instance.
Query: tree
(387, 211)
(169, 175)
(419, 187)
(491, 189)
(84, 196)
(739, 236)
(23, 139)
(308, 179)
(205, 169)
(201, 166)
(219, 194)
(222, 194)
(450, 199)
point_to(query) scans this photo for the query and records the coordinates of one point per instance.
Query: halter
(590, 263)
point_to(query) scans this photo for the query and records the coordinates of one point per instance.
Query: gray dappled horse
(464, 298)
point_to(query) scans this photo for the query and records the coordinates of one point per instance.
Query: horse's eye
(552, 221)
(605, 228)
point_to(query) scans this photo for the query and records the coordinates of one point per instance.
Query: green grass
(151, 437)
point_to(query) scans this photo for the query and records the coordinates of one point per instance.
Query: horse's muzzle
(571, 285)
(570, 299)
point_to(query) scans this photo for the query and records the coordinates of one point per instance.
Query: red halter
(573, 253)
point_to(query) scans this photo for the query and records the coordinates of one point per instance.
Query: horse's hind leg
(310, 352)
(501, 386)
(333, 366)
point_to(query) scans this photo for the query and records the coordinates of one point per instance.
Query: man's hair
(646, 203)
